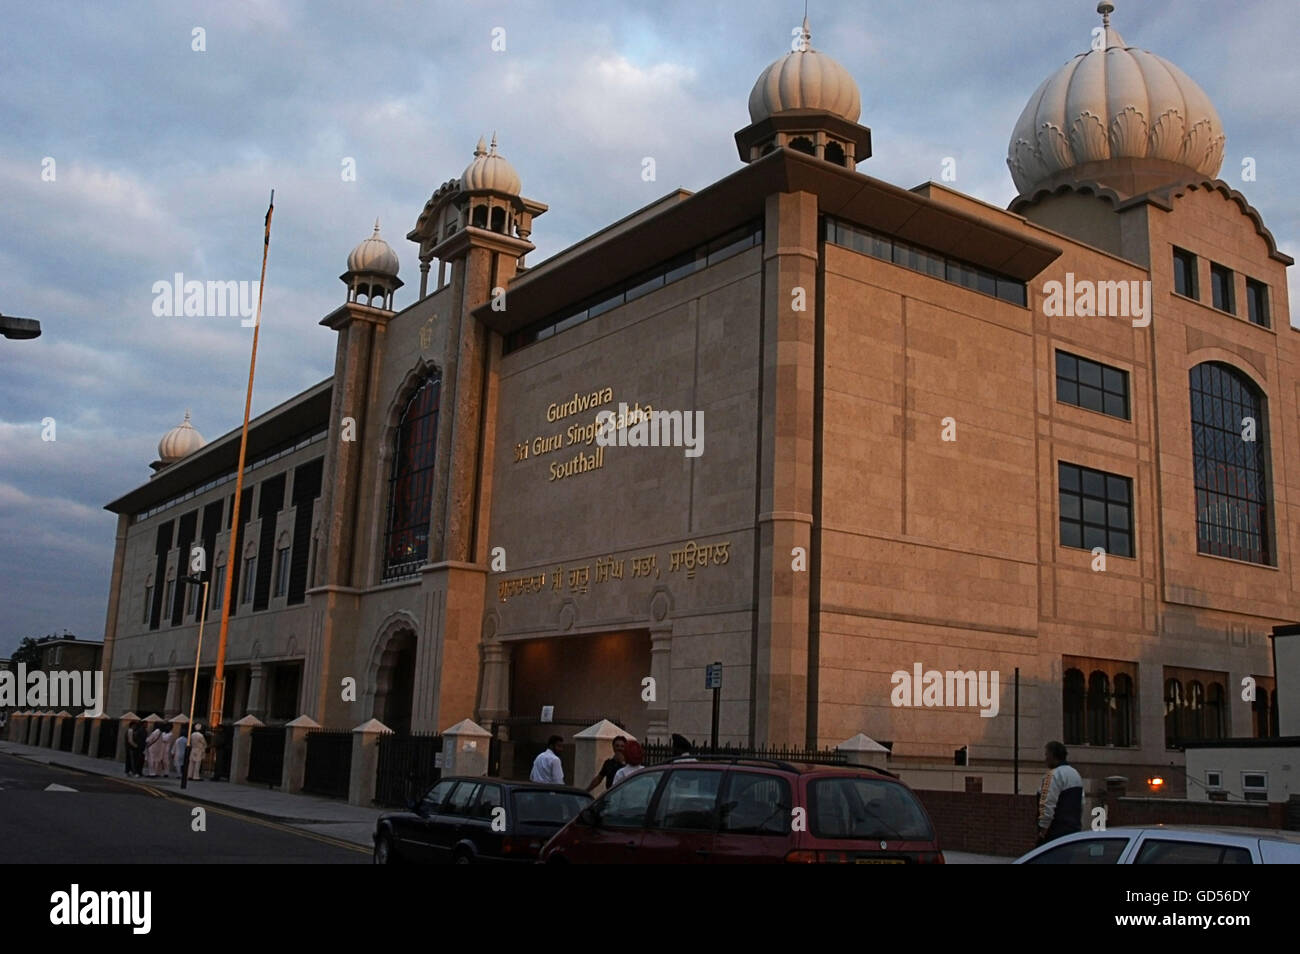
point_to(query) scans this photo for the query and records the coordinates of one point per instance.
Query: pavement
(326, 817)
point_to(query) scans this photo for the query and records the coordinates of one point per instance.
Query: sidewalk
(326, 817)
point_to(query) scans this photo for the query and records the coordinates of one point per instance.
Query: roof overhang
(597, 263)
(296, 415)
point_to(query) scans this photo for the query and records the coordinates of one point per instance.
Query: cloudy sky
(164, 157)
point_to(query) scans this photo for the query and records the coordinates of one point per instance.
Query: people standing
(611, 766)
(164, 751)
(198, 747)
(151, 751)
(1060, 796)
(131, 749)
(547, 767)
(178, 753)
(633, 754)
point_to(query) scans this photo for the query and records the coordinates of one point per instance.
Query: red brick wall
(987, 823)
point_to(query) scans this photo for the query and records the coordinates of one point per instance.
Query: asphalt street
(51, 815)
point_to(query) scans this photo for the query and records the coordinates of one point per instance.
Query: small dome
(181, 441)
(805, 79)
(1116, 103)
(490, 170)
(373, 255)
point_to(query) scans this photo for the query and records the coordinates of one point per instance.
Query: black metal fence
(662, 752)
(266, 754)
(408, 765)
(64, 742)
(108, 739)
(329, 763)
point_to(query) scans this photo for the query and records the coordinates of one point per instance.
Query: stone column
(661, 645)
(241, 747)
(465, 749)
(295, 753)
(173, 703)
(365, 762)
(591, 747)
(257, 690)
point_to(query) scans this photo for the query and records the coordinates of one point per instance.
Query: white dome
(373, 255)
(490, 170)
(180, 441)
(805, 79)
(1116, 103)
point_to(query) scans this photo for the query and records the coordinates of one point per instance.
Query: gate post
(241, 747)
(295, 753)
(365, 762)
(465, 749)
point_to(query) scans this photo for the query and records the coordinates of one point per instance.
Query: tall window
(1185, 273)
(1230, 451)
(410, 486)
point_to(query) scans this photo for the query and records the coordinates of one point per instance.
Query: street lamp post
(195, 580)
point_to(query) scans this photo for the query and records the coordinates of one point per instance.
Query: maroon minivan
(750, 811)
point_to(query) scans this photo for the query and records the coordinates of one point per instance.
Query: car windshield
(866, 808)
(533, 807)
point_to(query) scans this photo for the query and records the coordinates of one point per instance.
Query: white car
(1170, 845)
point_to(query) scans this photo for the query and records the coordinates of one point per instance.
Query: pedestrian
(633, 754)
(130, 749)
(151, 752)
(547, 767)
(1060, 797)
(178, 753)
(198, 747)
(611, 766)
(164, 750)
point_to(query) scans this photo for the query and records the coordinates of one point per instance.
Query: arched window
(803, 144)
(1230, 457)
(1121, 710)
(1173, 711)
(1072, 707)
(410, 485)
(1098, 708)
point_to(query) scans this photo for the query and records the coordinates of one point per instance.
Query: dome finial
(1105, 8)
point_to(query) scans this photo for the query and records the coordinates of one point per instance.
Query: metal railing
(266, 754)
(408, 765)
(328, 769)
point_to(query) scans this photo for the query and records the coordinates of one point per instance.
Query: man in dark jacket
(1060, 797)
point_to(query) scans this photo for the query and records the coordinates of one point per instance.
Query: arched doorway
(395, 684)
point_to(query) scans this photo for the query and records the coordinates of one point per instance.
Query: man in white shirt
(547, 767)
(1060, 797)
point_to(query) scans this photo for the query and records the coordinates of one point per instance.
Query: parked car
(466, 820)
(1170, 845)
(734, 810)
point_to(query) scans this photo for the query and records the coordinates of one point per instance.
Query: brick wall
(987, 823)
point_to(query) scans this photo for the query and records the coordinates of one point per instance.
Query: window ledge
(1260, 566)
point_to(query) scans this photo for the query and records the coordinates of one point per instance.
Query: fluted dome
(180, 441)
(490, 170)
(805, 79)
(373, 255)
(1111, 105)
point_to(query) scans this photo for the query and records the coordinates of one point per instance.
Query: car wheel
(462, 857)
(384, 853)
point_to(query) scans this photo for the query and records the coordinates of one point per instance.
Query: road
(51, 815)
